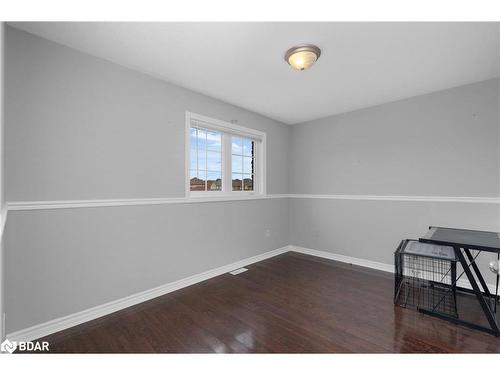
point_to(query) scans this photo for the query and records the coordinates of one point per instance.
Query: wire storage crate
(426, 277)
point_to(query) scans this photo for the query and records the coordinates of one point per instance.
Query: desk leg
(472, 262)
(477, 291)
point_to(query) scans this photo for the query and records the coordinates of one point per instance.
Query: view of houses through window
(242, 162)
(206, 161)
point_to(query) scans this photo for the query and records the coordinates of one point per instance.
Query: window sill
(194, 198)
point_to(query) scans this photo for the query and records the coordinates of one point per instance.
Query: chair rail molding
(61, 204)
(402, 198)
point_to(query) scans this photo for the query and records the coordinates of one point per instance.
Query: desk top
(472, 239)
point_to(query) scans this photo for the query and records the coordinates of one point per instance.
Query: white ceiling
(362, 64)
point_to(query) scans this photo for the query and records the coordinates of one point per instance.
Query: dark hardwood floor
(292, 303)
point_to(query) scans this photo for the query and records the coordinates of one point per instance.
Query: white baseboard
(59, 324)
(367, 263)
(344, 258)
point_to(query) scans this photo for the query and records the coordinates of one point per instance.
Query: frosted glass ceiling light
(302, 57)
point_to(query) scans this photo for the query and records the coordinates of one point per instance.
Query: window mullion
(206, 159)
(226, 166)
(256, 168)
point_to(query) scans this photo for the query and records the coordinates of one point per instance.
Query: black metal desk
(463, 241)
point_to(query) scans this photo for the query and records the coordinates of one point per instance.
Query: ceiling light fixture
(302, 57)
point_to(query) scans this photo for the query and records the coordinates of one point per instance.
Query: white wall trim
(3, 220)
(344, 258)
(408, 198)
(59, 324)
(366, 263)
(224, 126)
(51, 205)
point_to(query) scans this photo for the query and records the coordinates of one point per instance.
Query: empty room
(250, 187)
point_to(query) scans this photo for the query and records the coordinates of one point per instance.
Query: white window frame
(228, 130)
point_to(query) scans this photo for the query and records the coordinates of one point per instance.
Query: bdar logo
(24, 346)
(8, 346)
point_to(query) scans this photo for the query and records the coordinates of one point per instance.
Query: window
(206, 160)
(223, 159)
(242, 162)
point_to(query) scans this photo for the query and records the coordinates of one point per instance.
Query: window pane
(214, 181)
(236, 145)
(248, 182)
(248, 165)
(214, 141)
(237, 164)
(192, 136)
(214, 161)
(248, 146)
(197, 181)
(202, 174)
(202, 160)
(193, 155)
(237, 182)
(202, 139)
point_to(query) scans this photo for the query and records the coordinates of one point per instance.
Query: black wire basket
(425, 277)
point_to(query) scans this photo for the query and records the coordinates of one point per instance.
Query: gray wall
(78, 127)
(441, 144)
(64, 261)
(373, 229)
(444, 143)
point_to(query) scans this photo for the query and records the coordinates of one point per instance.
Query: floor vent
(239, 270)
